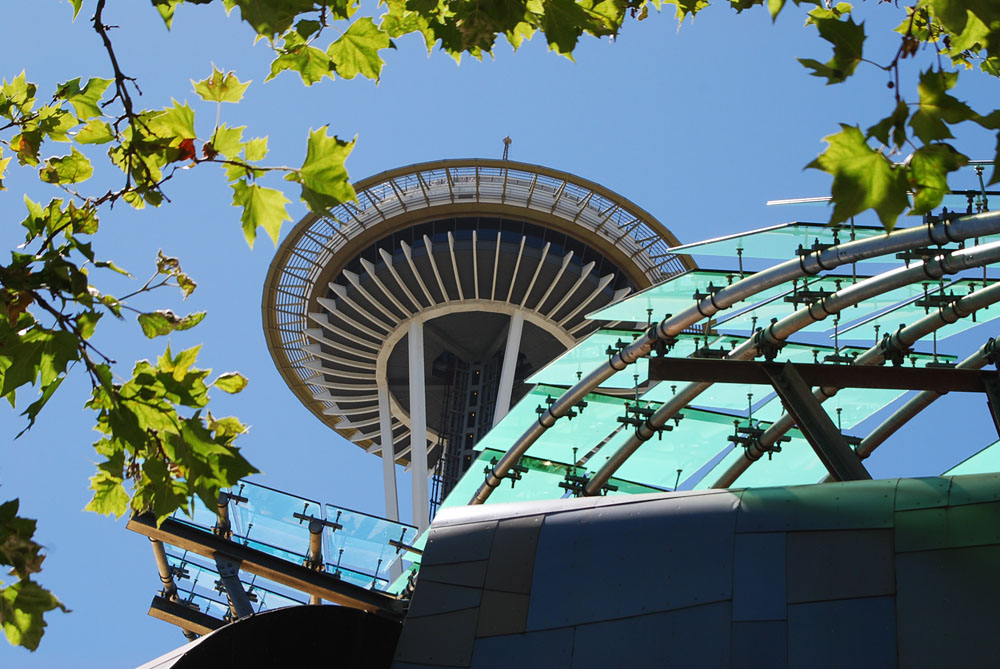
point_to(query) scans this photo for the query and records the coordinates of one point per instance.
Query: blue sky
(699, 126)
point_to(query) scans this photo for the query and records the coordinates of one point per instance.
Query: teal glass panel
(362, 545)
(585, 431)
(193, 575)
(909, 313)
(587, 355)
(675, 295)
(687, 447)
(796, 464)
(267, 521)
(846, 409)
(778, 242)
(786, 305)
(985, 461)
(216, 606)
(540, 481)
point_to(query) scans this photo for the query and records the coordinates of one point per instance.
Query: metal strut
(816, 425)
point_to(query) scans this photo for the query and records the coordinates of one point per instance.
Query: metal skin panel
(628, 560)
(430, 598)
(760, 644)
(444, 640)
(502, 613)
(946, 607)
(472, 574)
(831, 506)
(459, 544)
(857, 633)
(974, 488)
(952, 527)
(512, 559)
(826, 565)
(551, 649)
(922, 493)
(685, 638)
(759, 576)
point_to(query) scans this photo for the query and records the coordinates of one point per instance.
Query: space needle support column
(509, 367)
(388, 454)
(418, 424)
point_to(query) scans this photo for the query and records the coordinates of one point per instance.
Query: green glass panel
(688, 447)
(675, 295)
(985, 461)
(267, 521)
(540, 481)
(585, 431)
(786, 305)
(779, 242)
(195, 576)
(362, 545)
(909, 313)
(587, 355)
(796, 464)
(847, 408)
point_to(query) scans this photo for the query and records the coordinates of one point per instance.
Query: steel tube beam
(388, 454)
(778, 332)
(840, 376)
(510, 352)
(902, 339)
(418, 425)
(163, 568)
(931, 233)
(914, 406)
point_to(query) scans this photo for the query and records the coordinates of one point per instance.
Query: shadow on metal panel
(319, 634)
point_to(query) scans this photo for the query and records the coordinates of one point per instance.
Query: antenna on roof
(506, 146)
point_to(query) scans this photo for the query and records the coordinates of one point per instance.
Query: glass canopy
(984, 462)
(674, 295)
(277, 523)
(914, 309)
(587, 355)
(778, 242)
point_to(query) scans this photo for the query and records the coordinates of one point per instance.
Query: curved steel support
(933, 233)
(778, 332)
(914, 406)
(902, 338)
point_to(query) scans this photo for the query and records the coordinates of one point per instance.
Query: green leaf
(76, 7)
(110, 497)
(356, 52)
(938, 108)
(895, 123)
(87, 321)
(85, 100)
(927, 170)
(255, 149)
(70, 169)
(164, 321)
(847, 38)
(231, 382)
(262, 207)
(21, 608)
(311, 63)
(228, 141)
(176, 121)
(323, 171)
(95, 132)
(220, 87)
(862, 178)
(270, 17)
